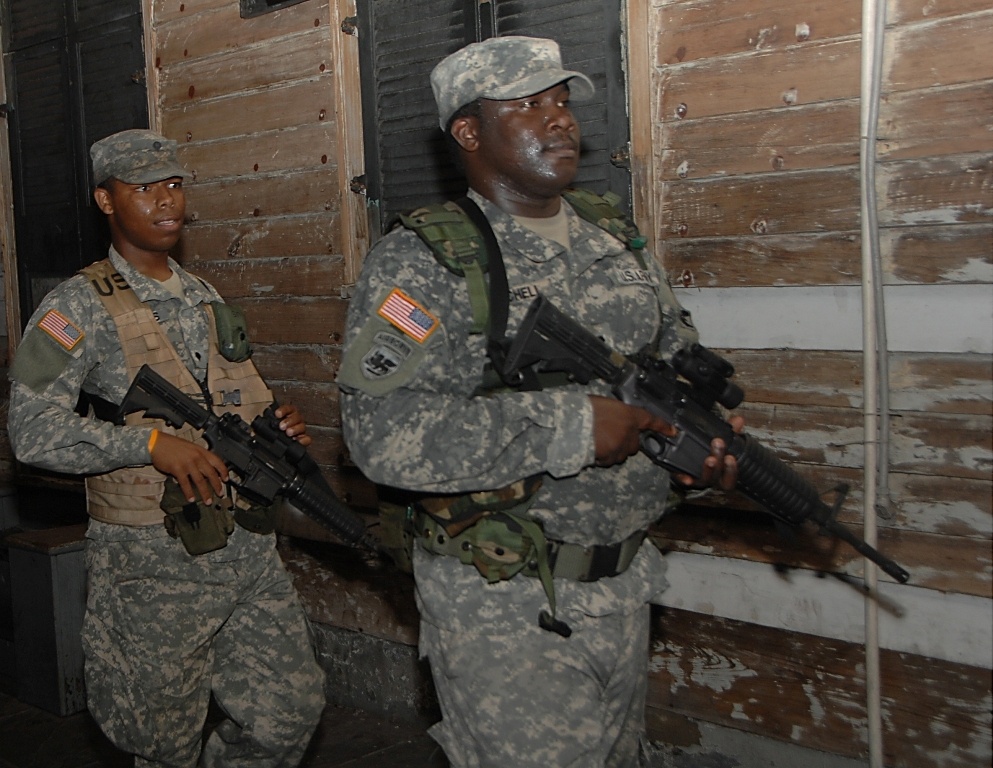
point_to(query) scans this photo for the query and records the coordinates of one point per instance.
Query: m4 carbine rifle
(267, 462)
(548, 340)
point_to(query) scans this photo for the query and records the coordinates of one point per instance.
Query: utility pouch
(255, 517)
(499, 547)
(202, 528)
(397, 533)
(232, 332)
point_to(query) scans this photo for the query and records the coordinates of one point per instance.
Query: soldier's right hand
(197, 470)
(617, 429)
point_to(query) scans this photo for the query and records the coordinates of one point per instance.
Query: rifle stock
(551, 341)
(266, 462)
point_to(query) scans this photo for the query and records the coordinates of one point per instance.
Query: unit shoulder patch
(66, 333)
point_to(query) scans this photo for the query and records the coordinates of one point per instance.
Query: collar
(146, 289)
(589, 243)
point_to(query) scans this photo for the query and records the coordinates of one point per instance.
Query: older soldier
(530, 670)
(202, 604)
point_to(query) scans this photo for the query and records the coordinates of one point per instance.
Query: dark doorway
(400, 42)
(75, 73)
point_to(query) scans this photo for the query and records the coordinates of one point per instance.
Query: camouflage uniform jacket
(411, 420)
(46, 378)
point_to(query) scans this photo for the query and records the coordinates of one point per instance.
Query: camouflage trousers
(164, 630)
(533, 699)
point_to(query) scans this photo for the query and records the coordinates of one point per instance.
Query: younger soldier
(199, 605)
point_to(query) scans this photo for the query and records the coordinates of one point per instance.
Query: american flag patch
(56, 325)
(407, 315)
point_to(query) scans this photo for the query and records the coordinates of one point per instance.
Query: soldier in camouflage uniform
(164, 629)
(512, 692)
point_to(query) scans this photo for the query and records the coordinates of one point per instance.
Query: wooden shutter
(407, 161)
(76, 73)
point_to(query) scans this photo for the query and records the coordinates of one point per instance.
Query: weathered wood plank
(313, 234)
(961, 565)
(314, 362)
(801, 138)
(947, 51)
(925, 383)
(811, 691)
(273, 277)
(961, 253)
(168, 10)
(303, 320)
(706, 29)
(312, 146)
(941, 190)
(210, 30)
(953, 189)
(340, 588)
(923, 123)
(809, 201)
(819, 72)
(832, 258)
(945, 444)
(908, 11)
(262, 196)
(938, 121)
(271, 63)
(286, 106)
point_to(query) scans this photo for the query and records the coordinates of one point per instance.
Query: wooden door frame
(639, 80)
(8, 246)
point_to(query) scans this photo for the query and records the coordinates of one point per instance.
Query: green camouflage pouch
(255, 517)
(232, 332)
(202, 528)
(500, 547)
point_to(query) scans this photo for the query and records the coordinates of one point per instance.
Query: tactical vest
(131, 495)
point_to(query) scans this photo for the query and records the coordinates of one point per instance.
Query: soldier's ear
(103, 200)
(465, 131)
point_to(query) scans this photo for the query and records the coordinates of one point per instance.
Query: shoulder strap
(602, 211)
(459, 246)
(461, 239)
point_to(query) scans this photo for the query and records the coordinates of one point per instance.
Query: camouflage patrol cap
(135, 156)
(502, 68)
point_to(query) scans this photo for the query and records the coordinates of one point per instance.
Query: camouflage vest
(131, 495)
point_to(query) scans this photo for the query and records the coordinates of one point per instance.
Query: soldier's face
(530, 145)
(148, 217)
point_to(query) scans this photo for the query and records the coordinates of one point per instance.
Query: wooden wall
(267, 115)
(751, 170)
(745, 156)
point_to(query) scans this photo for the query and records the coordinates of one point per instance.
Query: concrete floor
(33, 738)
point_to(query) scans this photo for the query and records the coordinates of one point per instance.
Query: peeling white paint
(926, 622)
(256, 288)
(919, 318)
(817, 711)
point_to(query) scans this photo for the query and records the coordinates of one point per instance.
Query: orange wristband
(151, 440)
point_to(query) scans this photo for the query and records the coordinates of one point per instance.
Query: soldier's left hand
(291, 422)
(720, 469)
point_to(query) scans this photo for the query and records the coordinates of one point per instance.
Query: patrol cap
(135, 156)
(502, 68)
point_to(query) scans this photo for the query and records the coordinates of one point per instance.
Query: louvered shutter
(76, 73)
(407, 161)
